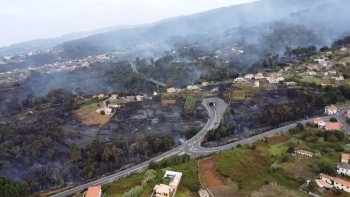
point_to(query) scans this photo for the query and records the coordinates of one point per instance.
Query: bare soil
(96, 119)
(208, 175)
(277, 139)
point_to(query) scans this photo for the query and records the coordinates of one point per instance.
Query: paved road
(193, 146)
(215, 112)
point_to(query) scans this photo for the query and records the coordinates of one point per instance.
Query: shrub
(133, 192)
(239, 145)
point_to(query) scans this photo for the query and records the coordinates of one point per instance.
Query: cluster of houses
(271, 78)
(163, 190)
(108, 108)
(189, 87)
(343, 168)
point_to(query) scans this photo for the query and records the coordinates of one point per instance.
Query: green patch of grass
(311, 80)
(277, 149)
(190, 103)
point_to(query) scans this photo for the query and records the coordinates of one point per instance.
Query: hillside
(212, 22)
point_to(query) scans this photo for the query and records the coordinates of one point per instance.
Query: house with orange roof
(330, 109)
(94, 191)
(345, 158)
(342, 184)
(332, 126)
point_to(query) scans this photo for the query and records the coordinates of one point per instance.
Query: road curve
(214, 115)
(193, 146)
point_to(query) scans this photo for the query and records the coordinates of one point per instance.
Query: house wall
(342, 187)
(343, 171)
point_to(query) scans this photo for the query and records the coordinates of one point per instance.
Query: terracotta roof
(317, 120)
(342, 182)
(333, 126)
(332, 107)
(93, 191)
(345, 157)
(321, 183)
(326, 176)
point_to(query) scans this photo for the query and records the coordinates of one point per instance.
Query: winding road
(215, 107)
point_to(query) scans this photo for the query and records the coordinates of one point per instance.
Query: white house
(331, 109)
(259, 76)
(171, 90)
(139, 97)
(239, 79)
(256, 84)
(304, 153)
(274, 80)
(340, 78)
(332, 72)
(205, 83)
(192, 87)
(113, 96)
(311, 73)
(107, 110)
(248, 76)
(343, 167)
(344, 49)
(290, 83)
(342, 184)
(113, 106)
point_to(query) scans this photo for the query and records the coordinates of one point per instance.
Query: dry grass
(273, 189)
(52, 192)
(276, 139)
(209, 176)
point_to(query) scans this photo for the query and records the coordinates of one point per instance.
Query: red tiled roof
(333, 126)
(93, 191)
(345, 157)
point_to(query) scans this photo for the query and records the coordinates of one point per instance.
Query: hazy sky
(23, 20)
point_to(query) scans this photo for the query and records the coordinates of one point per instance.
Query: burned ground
(267, 109)
(149, 117)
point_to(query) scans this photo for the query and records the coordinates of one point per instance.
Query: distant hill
(212, 22)
(40, 44)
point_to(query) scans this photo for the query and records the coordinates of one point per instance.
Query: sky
(23, 20)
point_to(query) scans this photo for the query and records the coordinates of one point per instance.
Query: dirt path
(208, 175)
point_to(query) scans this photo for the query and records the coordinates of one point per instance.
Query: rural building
(325, 181)
(332, 72)
(192, 87)
(330, 109)
(339, 78)
(101, 96)
(205, 83)
(332, 126)
(274, 80)
(345, 158)
(317, 120)
(203, 193)
(343, 168)
(239, 79)
(304, 153)
(94, 191)
(311, 73)
(348, 113)
(107, 110)
(162, 190)
(139, 97)
(113, 106)
(113, 96)
(344, 49)
(171, 90)
(290, 83)
(248, 76)
(259, 76)
(256, 84)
